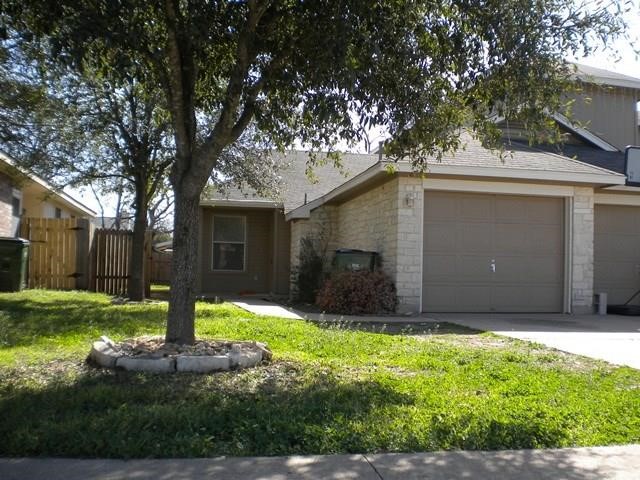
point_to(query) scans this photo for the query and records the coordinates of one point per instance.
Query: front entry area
(492, 253)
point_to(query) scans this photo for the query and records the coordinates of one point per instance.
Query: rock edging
(105, 353)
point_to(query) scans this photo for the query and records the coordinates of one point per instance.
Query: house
(535, 230)
(27, 195)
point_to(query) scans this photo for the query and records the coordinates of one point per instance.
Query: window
(58, 213)
(15, 206)
(229, 238)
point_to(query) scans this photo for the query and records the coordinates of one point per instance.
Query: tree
(319, 72)
(79, 128)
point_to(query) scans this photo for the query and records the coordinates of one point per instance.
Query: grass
(329, 389)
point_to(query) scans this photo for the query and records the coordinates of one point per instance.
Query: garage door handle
(492, 266)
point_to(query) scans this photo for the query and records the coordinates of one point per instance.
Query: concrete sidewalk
(263, 307)
(619, 463)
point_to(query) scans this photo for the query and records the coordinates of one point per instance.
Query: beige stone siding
(369, 222)
(582, 251)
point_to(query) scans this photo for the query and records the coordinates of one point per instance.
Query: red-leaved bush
(354, 293)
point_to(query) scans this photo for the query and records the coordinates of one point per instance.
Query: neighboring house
(126, 223)
(477, 233)
(26, 195)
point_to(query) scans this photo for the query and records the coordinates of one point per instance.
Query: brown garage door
(492, 253)
(617, 252)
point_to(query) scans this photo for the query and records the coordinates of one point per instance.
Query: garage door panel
(536, 298)
(614, 219)
(545, 211)
(528, 270)
(438, 237)
(524, 235)
(617, 252)
(440, 267)
(474, 238)
(617, 273)
(439, 208)
(473, 268)
(475, 208)
(511, 238)
(546, 240)
(510, 209)
(469, 298)
(617, 246)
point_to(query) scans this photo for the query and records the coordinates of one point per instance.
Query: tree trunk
(136, 284)
(181, 318)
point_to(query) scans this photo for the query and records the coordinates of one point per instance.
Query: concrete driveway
(613, 338)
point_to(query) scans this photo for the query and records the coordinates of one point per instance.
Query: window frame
(243, 242)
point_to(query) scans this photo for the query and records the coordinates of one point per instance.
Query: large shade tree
(75, 126)
(319, 72)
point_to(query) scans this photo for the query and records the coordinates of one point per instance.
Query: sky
(626, 62)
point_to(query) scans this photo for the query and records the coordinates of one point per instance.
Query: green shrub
(354, 293)
(309, 274)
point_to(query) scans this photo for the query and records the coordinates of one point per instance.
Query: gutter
(240, 203)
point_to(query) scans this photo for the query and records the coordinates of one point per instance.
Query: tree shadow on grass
(122, 414)
(279, 409)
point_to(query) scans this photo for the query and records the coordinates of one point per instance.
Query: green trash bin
(354, 260)
(14, 258)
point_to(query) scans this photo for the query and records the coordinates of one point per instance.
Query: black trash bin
(355, 260)
(14, 257)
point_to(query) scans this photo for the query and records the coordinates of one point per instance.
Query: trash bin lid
(15, 240)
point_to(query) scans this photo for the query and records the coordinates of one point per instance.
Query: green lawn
(328, 390)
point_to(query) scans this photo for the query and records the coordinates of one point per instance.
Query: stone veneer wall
(388, 219)
(6, 213)
(582, 250)
(369, 222)
(409, 253)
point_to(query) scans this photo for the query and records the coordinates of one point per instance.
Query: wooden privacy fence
(57, 252)
(70, 253)
(160, 267)
(111, 261)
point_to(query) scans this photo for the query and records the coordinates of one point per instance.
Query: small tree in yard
(319, 72)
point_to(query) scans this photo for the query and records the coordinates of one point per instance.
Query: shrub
(354, 293)
(309, 274)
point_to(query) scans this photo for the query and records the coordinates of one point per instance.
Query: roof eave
(222, 202)
(600, 178)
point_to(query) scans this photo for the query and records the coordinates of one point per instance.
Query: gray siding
(609, 112)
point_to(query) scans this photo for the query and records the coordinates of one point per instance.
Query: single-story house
(27, 195)
(532, 230)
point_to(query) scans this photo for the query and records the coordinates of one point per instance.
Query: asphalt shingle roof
(517, 155)
(297, 187)
(606, 77)
(613, 161)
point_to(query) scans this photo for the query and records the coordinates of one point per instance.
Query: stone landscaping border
(104, 352)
